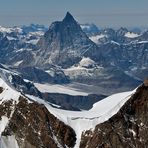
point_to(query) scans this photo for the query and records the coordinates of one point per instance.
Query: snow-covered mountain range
(71, 53)
(59, 87)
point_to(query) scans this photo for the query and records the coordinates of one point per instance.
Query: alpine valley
(73, 86)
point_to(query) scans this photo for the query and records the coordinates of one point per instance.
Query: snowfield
(56, 88)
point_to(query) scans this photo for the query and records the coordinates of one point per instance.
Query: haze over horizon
(103, 13)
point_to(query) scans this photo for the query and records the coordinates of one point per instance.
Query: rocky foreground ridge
(27, 123)
(128, 128)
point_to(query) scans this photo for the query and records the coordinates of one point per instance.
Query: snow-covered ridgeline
(84, 120)
(8, 93)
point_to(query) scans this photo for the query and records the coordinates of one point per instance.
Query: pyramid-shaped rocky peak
(68, 21)
(65, 43)
(68, 17)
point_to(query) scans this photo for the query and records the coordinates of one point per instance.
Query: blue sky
(104, 13)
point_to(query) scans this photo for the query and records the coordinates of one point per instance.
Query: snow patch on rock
(131, 35)
(86, 62)
(97, 37)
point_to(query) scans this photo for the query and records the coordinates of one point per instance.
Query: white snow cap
(96, 38)
(131, 35)
(86, 62)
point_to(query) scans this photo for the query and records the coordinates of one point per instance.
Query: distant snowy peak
(96, 38)
(10, 29)
(24, 29)
(17, 43)
(34, 28)
(3, 29)
(131, 35)
(89, 28)
(27, 34)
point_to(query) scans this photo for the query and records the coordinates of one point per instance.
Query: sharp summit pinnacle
(68, 17)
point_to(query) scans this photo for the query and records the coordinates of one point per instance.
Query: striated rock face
(64, 44)
(127, 129)
(34, 127)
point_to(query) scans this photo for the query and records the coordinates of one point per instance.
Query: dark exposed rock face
(15, 80)
(70, 102)
(34, 127)
(146, 82)
(25, 87)
(90, 29)
(38, 75)
(5, 107)
(127, 129)
(126, 56)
